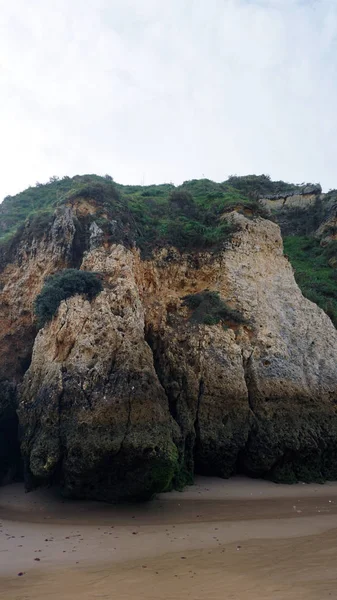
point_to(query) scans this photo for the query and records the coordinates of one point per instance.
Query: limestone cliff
(23, 267)
(128, 395)
(92, 407)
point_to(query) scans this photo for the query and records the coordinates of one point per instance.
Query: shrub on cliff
(61, 286)
(103, 192)
(259, 185)
(208, 308)
(182, 201)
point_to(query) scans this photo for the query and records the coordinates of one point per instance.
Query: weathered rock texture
(24, 264)
(126, 395)
(23, 267)
(327, 230)
(299, 212)
(92, 407)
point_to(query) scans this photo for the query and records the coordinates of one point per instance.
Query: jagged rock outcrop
(43, 245)
(126, 394)
(92, 407)
(297, 212)
(267, 389)
(327, 231)
(24, 264)
(301, 195)
(96, 236)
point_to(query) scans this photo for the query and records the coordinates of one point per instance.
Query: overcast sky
(153, 91)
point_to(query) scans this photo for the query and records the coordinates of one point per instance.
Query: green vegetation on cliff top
(186, 217)
(149, 205)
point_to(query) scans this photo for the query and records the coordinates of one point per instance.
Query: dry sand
(238, 539)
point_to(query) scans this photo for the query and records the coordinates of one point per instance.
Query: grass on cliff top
(315, 277)
(149, 204)
(186, 216)
(208, 195)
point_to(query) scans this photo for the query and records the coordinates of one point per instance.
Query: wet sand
(233, 539)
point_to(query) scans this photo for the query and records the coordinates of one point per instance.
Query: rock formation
(201, 360)
(304, 211)
(23, 267)
(128, 395)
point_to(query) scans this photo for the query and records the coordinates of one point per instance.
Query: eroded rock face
(327, 231)
(304, 212)
(92, 408)
(23, 268)
(126, 395)
(267, 392)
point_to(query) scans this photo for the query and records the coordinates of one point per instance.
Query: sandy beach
(234, 539)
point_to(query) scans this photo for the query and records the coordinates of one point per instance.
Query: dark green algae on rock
(109, 453)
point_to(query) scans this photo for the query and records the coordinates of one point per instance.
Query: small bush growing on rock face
(208, 308)
(61, 286)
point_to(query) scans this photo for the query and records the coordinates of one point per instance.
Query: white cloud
(167, 91)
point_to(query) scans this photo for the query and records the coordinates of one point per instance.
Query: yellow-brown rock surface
(126, 394)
